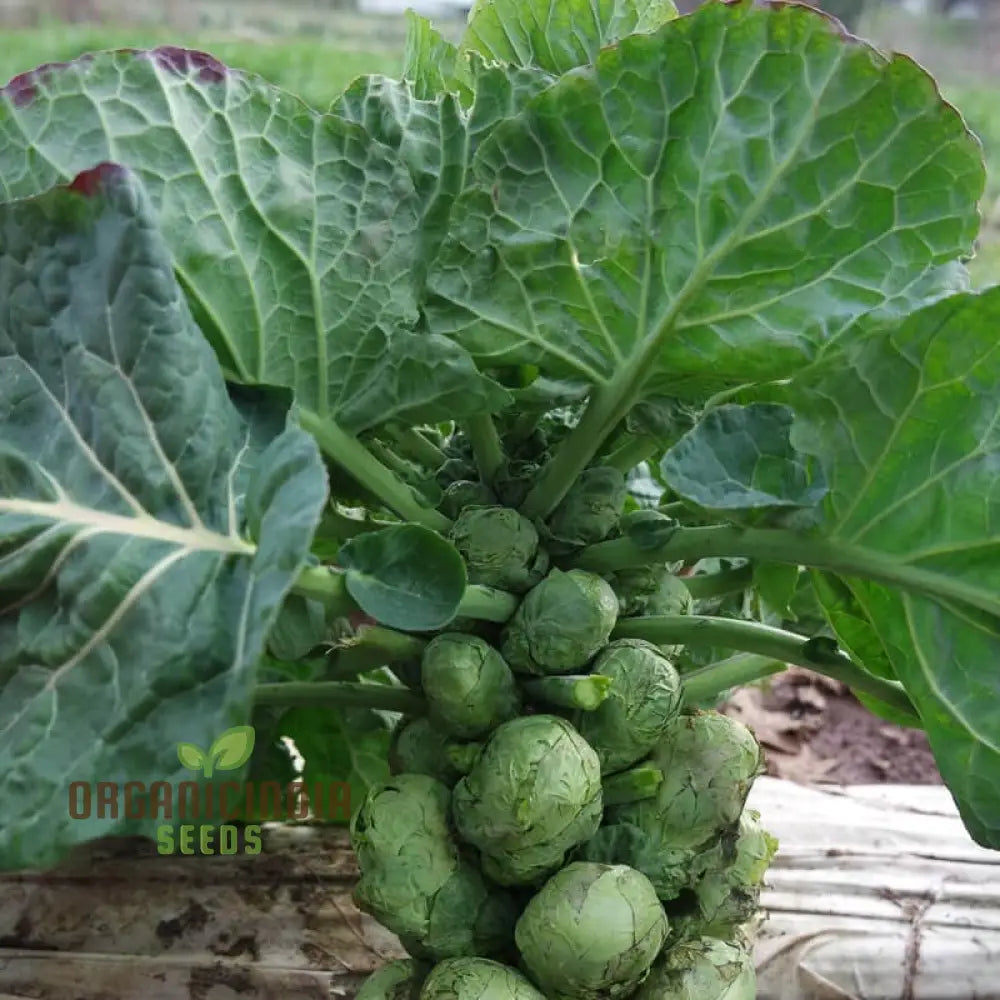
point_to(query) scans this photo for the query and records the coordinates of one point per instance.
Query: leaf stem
(487, 603)
(376, 646)
(320, 583)
(420, 448)
(606, 407)
(766, 641)
(346, 450)
(585, 692)
(781, 546)
(486, 446)
(727, 581)
(341, 694)
(708, 682)
(633, 450)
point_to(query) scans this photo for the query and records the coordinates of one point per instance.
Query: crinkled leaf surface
(431, 63)
(905, 421)
(299, 237)
(557, 35)
(740, 458)
(407, 577)
(133, 609)
(706, 205)
(429, 138)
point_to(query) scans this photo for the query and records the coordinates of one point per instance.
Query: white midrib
(140, 526)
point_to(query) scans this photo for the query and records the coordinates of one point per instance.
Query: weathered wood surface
(876, 894)
(119, 922)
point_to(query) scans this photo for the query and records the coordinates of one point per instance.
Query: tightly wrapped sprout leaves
(415, 879)
(470, 690)
(645, 697)
(592, 931)
(493, 853)
(500, 548)
(533, 793)
(561, 623)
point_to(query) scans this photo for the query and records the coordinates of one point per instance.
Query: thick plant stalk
(341, 694)
(772, 643)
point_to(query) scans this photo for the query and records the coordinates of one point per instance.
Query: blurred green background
(314, 48)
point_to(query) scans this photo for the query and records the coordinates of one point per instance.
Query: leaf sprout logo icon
(230, 751)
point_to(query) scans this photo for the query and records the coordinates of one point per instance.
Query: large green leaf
(557, 35)
(299, 237)
(740, 458)
(905, 421)
(706, 205)
(133, 607)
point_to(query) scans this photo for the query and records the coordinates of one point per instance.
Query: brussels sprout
(670, 870)
(397, 980)
(468, 687)
(651, 590)
(514, 481)
(533, 793)
(591, 509)
(414, 879)
(645, 697)
(455, 470)
(704, 969)
(709, 762)
(419, 746)
(476, 979)
(728, 893)
(500, 548)
(560, 624)
(592, 931)
(465, 493)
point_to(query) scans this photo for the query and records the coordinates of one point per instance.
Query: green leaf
(739, 458)
(406, 577)
(191, 756)
(133, 609)
(299, 628)
(776, 584)
(557, 35)
(297, 236)
(340, 746)
(904, 420)
(428, 137)
(707, 205)
(850, 623)
(431, 63)
(232, 749)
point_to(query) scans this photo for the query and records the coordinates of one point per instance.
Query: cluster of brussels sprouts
(559, 825)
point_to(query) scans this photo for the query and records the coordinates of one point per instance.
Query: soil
(814, 730)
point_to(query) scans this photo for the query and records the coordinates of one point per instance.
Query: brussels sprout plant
(476, 435)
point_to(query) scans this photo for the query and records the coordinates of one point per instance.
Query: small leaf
(232, 749)
(739, 458)
(407, 577)
(776, 584)
(300, 627)
(192, 757)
